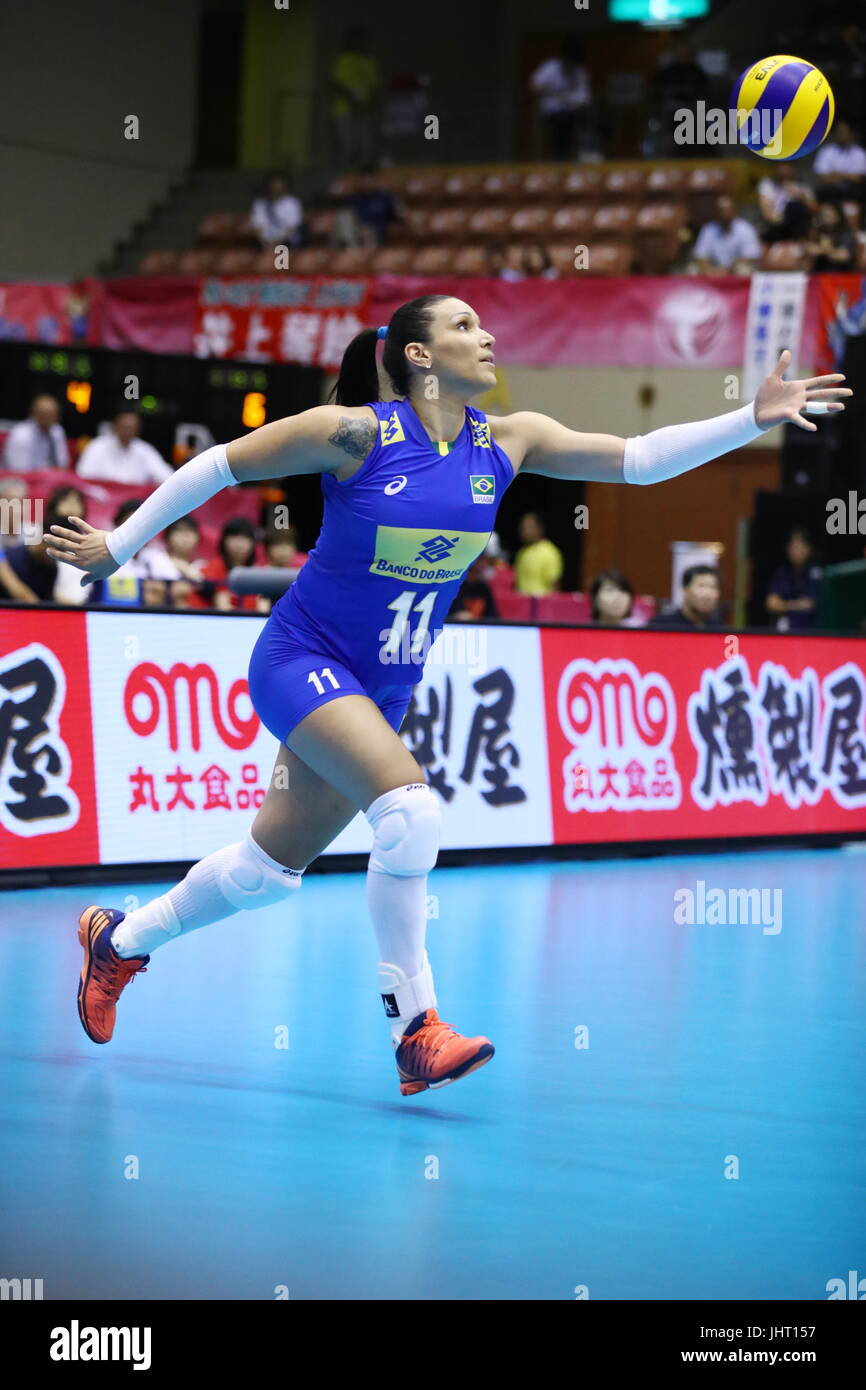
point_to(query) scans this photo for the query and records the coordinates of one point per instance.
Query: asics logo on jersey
(436, 548)
(395, 485)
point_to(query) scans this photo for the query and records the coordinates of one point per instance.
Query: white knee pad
(407, 826)
(249, 878)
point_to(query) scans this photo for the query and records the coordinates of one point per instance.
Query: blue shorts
(287, 679)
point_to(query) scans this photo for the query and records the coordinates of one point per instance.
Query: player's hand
(778, 400)
(84, 548)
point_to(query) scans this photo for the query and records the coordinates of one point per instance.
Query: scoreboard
(182, 400)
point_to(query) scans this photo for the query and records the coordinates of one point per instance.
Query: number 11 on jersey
(402, 607)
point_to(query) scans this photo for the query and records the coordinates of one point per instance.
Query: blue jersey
(396, 541)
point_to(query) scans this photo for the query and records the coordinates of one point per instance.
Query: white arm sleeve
(193, 483)
(665, 453)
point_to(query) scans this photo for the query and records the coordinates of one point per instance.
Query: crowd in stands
(179, 570)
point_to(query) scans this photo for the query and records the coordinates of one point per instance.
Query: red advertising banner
(841, 310)
(635, 321)
(48, 803)
(306, 320)
(660, 736)
(54, 314)
(155, 313)
(130, 737)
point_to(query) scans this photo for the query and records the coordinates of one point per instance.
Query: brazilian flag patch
(483, 487)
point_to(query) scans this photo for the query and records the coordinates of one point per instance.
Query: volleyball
(784, 107)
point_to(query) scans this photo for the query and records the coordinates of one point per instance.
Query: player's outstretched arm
(324, 439)
(558, 452)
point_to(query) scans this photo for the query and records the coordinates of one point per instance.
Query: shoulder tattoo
(355, 437)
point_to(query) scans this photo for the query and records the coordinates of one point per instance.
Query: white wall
(70, 184)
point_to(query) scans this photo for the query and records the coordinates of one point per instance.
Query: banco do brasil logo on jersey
(437, 548)
(483, 487)
(408, 552)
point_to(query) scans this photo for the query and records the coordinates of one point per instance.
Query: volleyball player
(333, 669)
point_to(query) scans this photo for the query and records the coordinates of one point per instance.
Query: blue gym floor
(558, 1167)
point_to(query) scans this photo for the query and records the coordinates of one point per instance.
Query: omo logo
(150, 691)
(621, 724)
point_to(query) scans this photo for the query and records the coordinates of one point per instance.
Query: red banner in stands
(155, 313)
(44, 313)
(637, 321)
(841, 310)
(308, 320)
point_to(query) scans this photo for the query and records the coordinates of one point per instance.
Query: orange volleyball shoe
(431, 1054)
(104, 974)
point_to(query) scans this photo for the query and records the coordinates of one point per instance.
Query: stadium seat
(610, 258)
(516, 607)
(644, 607)
(666, 181)
(489, 223)
(585, 183)
(433, 260)
(470, 260)
(217, 227)
(543, 183)
(447, 223)
(344, 186)
(614, 220)
(307, 260)
(320, 224)
(563, 608)
(425, 187)
(159, 263)
(530, 220)
(574, 220)
(237, 262)
(704, 186)
(392, 260)
(464, 187)
(658, 236)
(621, 184)
(561, 255)
(503, 184)
(351, 260)
(197, 262)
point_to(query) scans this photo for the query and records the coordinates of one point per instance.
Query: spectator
(474, 599)
(831, 241)
(11, 587)
(278, 215)
(538, 564)
(612, 600)
(31, 563)
(356, 87)
(373, 208)
(512, 263)
(495, 258)
(66, 501)
(792, 594)
(564, 91)
(537, 262)
(281, 549)
(39, 441)
(785, 204)
(182, 539)
(119, 456)
(728, 245)
(700, 601)
(840, 165)
(677, 85)
(236, 550)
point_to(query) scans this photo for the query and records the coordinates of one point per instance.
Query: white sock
(199, 899)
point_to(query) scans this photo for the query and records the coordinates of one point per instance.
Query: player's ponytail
(358, 381)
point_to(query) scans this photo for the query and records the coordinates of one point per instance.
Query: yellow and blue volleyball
(784, 107)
